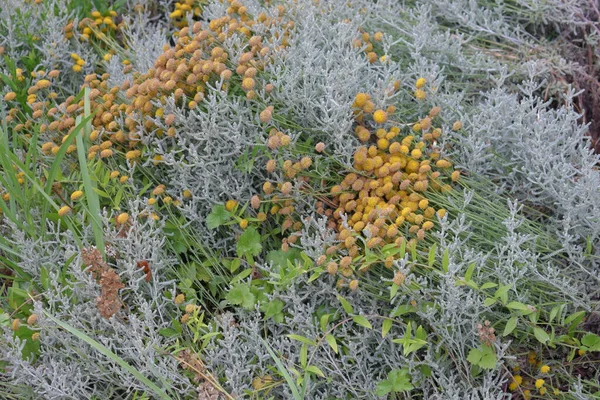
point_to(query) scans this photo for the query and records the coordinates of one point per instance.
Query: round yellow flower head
(380, 116)
(230, 205)
(180, 298)
(122, 218)
(539, 383)
(544, 369)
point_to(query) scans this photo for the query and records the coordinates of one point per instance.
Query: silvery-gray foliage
(21, 21)
(67, 367)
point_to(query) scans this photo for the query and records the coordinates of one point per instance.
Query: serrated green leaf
(362, 321)
(248, 243)
(398, 380)
(217, 217)
(240, 295)
(591, 341)
(274, 307)
(330, 339)
(511, 324)
(483, 356)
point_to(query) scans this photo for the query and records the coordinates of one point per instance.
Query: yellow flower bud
(64, 210)
(122, 218)
(76, 195)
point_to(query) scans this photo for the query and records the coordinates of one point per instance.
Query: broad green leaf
(488, 285)
(489, 302)
(274, 307)
(323, 321)
(541, 335)
(511, 324)
(421, 334)
(332, 342)
(502, 293)
(401, 310)
(575, 316)
(362, 321)
(393, 290)
(385, 327)
(431, 255)
(345, 305)
(302, 339)
(445, 261)
(469, 272)
(315, 370)
(554, 313)
(303, 355)
(515, 305)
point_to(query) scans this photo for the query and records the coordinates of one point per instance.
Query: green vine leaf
(240, 295)
(248, 243)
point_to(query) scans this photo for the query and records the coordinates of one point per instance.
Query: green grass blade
(284, 372)
(108, 353)
(89, 186)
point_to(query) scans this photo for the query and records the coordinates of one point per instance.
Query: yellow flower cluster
(185, 70)
(96, 26)
(532, 368)
(179, 15)
(385, 198)
(367, 42)
(78, 62)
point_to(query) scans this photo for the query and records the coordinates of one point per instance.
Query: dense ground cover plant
(226, 199)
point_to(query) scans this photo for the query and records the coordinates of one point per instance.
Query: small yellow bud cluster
(366, 42)
(179, 14)
(185, 70)
(278, 139)
(78, 62)
(97, 26)
(385, 200)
